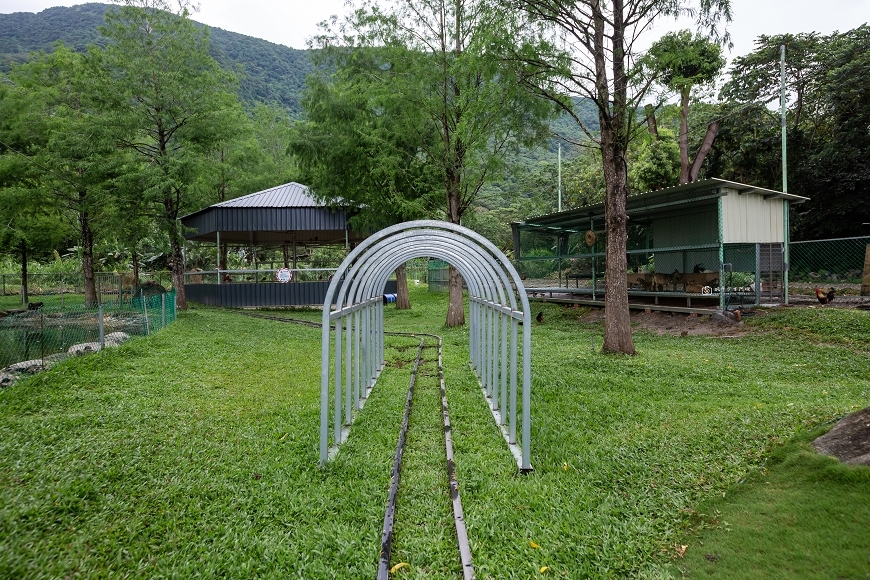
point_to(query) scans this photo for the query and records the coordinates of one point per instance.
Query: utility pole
(785, 204)
(782, 107)
(560, 177)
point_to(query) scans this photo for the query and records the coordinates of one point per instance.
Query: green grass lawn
(194, 452)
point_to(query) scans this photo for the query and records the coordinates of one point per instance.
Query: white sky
(291, 22)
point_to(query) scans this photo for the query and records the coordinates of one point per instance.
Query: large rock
(849, 440)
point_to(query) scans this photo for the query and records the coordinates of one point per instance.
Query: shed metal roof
(653, 203)
(283, 214)
(287, 195)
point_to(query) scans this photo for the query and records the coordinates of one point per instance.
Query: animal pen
(711, 244)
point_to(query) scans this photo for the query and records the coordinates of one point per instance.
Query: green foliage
(683, 61)
(828, 143)
(269, 72)
(363, 142)
(657, 164)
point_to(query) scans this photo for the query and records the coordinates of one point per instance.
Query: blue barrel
(389, 298)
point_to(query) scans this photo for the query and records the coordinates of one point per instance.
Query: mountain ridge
(271, 72)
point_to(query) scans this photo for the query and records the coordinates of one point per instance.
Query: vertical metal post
(560, 177)
(785, 249)
(102, 327)
(218, 257)
(757, 274)
(324, 391)
(721, 255)
(503, 399)
(527, 387)
(145, 311)
(163, 309)
(782, 111)
(512, 437)
(357, 356)
(348, 360)
(336, 413)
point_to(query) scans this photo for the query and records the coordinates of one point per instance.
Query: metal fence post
(102, 327)
(163, 309)
(144, 310)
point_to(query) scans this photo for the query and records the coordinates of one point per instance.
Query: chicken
(825, 298)
(540, 316)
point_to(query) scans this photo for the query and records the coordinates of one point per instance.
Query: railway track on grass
(390, 513)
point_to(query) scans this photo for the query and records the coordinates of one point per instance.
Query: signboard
(283, 275)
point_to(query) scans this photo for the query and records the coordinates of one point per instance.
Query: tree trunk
(24, 296)
(176, 263)
(614, 143)
(617, 322)
(684, 136)
(135, 260)
(403, 301)
(709, 138)
(456, 309)
(87, 239)
(651, 121)
(865, 282)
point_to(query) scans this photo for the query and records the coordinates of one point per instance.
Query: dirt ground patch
(678, 324)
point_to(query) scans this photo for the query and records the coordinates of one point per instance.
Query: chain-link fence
(833, 264)
(34, 338)
(739, 273)
(59, 290)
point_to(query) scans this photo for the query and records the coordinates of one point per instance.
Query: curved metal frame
(356, 290)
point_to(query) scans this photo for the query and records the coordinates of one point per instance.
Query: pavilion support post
(218, 257)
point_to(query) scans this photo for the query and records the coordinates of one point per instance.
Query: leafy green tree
(71, 144)
(590, 55)
(438, 57)
(682, 61)
(171, 103)
(362, 145)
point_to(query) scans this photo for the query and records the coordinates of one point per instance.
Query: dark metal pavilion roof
(283, 214)
(648, 205)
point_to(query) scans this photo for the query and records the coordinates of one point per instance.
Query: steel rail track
(389, 515)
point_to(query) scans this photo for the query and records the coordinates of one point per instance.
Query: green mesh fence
(747, 273)
(63, 289)
(828, 261)
(438, 275)
(35, 338)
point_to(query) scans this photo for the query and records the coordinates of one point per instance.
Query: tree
(442, 63)
(362, 145)
(682, 61)
(170, 101)
(71, 147)
(593, 55)
(828, 142)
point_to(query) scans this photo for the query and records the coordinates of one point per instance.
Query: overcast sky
(291, 22)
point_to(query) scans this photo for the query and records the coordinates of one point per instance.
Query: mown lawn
(194, 452)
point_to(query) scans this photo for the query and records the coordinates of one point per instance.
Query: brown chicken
(823, 297)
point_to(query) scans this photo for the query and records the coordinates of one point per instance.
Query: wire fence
(61, 289)
(749, 273)
(34, 338)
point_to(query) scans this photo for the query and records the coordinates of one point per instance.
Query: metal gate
(494, 289)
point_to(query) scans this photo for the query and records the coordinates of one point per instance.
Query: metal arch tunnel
(356, 289)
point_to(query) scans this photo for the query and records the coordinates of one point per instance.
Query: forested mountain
(270, 72)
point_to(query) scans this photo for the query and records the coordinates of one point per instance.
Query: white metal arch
(494, 288)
